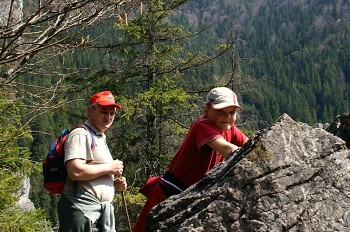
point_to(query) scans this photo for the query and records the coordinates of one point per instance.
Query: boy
(211, 138)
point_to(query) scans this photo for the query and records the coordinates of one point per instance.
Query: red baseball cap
(222, 97)
(104, 98)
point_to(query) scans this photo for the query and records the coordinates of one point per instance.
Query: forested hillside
(298, 52)
(279, 57)
(289, 57)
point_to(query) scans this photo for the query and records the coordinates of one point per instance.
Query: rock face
(341, 128)
(16, 12)
(24, 203)
(289, 177)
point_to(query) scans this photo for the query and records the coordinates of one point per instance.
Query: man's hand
(120, 184)
(117, 167)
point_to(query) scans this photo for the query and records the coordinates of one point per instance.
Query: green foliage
(14, 163)
(14, 166)
(295, 66)
(147, 87)
(295, 49)
(134, 202)
(13, 219)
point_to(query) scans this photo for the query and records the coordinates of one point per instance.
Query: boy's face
(223, 118)
(101, 117)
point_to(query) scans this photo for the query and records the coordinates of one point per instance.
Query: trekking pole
(126, 210)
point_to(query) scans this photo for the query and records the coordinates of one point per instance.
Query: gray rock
(289, 177)
(24, 202)
(341, 127)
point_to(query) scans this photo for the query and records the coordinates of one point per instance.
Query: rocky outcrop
(289, 177)
(341, 127)
(7, 18)
(24, 203)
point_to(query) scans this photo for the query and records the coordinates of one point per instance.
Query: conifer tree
(14, 167)
(148, 78)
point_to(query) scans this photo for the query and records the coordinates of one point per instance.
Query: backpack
(53, 167)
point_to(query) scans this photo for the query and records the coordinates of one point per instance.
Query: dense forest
(296, 51)
(279, 57)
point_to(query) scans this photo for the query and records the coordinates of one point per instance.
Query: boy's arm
(223, 147)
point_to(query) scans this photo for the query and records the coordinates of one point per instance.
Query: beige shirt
(78, 146)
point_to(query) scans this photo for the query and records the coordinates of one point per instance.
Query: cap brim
(109, 104)
(224, 105)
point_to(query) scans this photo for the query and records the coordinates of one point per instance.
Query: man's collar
(97, 132)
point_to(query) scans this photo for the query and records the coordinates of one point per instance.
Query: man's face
(101, 117)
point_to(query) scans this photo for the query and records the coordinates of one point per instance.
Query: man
(211, 138)
(93, 175)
